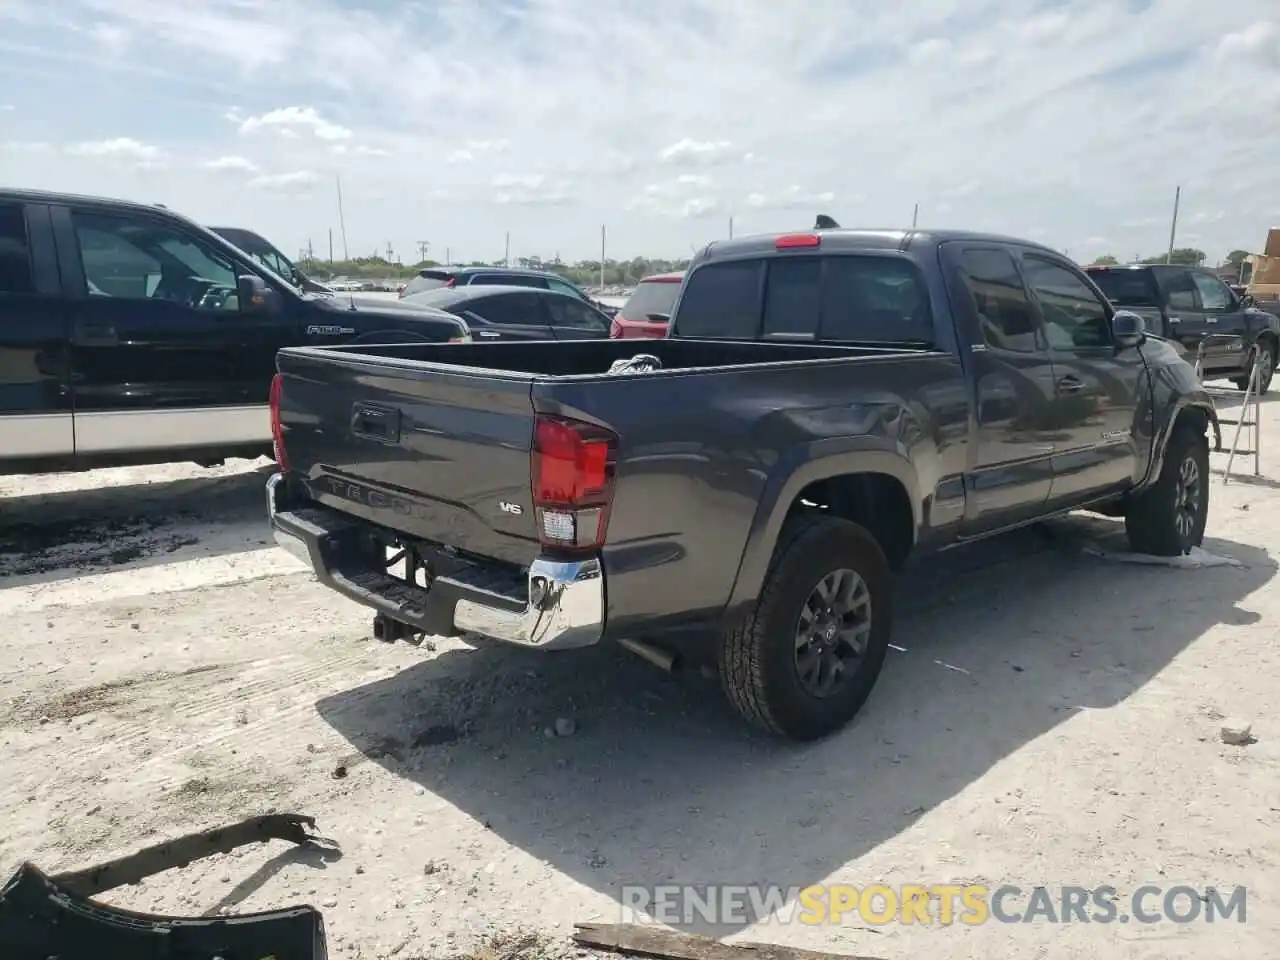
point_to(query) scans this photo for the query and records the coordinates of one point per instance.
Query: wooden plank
(647, 941)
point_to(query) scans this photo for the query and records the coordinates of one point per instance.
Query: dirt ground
(1052, 717)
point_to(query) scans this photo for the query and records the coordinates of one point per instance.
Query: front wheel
(806, 658)
(1168, 518)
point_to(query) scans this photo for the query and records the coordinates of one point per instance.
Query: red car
(647, 311)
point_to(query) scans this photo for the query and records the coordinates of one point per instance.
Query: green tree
(1236, 257)
(1183, 257)
(1106, 260)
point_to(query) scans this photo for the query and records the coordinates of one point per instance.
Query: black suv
(1194, 307)
(434, 278)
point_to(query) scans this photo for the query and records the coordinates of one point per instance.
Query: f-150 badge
(328, 331)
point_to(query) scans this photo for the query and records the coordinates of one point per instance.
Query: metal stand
(1250, 414)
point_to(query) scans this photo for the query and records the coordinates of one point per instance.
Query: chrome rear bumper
(559, 606)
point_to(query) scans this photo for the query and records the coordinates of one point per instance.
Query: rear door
(35, 375)
(162, 357)
(571, 319)
(1095, 387)
(1011, 473)
(506, 316)
(1225, 319)
(1187, 321)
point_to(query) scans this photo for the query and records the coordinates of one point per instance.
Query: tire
(760, 665)
(1266, 374)
(1152, 517)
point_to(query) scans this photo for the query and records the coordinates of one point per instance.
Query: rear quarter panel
(710, 461)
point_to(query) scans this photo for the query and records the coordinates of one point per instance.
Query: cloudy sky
(455, 121)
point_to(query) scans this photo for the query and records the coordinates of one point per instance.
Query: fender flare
(1197, 401)
(807, 464)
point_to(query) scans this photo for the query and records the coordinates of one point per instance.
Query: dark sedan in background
(517, 312)
(434, 278)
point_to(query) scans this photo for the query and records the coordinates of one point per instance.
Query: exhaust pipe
(662, 659)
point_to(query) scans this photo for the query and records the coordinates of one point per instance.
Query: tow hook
(539, 590)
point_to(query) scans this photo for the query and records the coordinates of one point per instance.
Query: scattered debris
(1237, 733)
(656, 942)
(566, 727)
(1197, 559)
(339, 772)
(951, 666)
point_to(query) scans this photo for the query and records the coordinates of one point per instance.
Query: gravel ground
(1052, 717)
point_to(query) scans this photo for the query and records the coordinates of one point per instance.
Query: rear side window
(426, 281)
(15, 256)
(655, 297)
(722, 301)
(515, 309)
(999, 300)
(1180, 291)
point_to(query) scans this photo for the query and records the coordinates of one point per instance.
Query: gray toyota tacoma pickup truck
(825, 406)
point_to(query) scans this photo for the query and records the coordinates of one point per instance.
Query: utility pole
(915, 215)
(506, 251)
(602, 236)
(342, 222)
(447, 261)
(331, 246)
(1173, 227)
(423, 247)
(731, 228)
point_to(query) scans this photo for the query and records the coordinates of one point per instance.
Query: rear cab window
(841, 298)
(1125, 286)
(16, 276)
(651, 301)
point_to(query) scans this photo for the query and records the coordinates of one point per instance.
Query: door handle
(90, 333)
(1070, 384)
(488, 334)
(1210, 319)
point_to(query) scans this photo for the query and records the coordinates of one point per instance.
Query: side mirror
(1247, 301)
(1128, 329)
(254, 294)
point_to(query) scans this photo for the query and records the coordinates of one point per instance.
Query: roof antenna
(825, 223)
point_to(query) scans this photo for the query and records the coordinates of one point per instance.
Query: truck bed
(433, 442)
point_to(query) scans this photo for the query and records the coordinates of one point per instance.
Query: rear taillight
(572, 465)
(615, 329)
(277, 432)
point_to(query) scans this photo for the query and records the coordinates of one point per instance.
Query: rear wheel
(1264, 355)
(1168, 518)
(805, 660)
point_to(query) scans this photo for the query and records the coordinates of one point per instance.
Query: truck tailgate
(444, 457)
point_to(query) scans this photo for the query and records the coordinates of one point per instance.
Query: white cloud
(1259, 40)
(298, 179)
(230, 164)
(6, 107)
(904, 103)
(292, 120)
(123, 147)
(697, 152)
(791, 198)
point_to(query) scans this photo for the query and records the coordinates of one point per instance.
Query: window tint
(656, 296)
(876, 299)
(571, 312)
(509, 280)
(793, 298)
(1180, 291)
(1003, 309)
(1127, 288)
(141, 259)
(426, 281)
(1214, 294)
(560, 286)
(15, 257)
(517, 309)
(1073, 314)
(722, 301)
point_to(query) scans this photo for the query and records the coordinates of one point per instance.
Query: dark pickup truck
(1221, 329)
(827, 405)
(131, 335)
